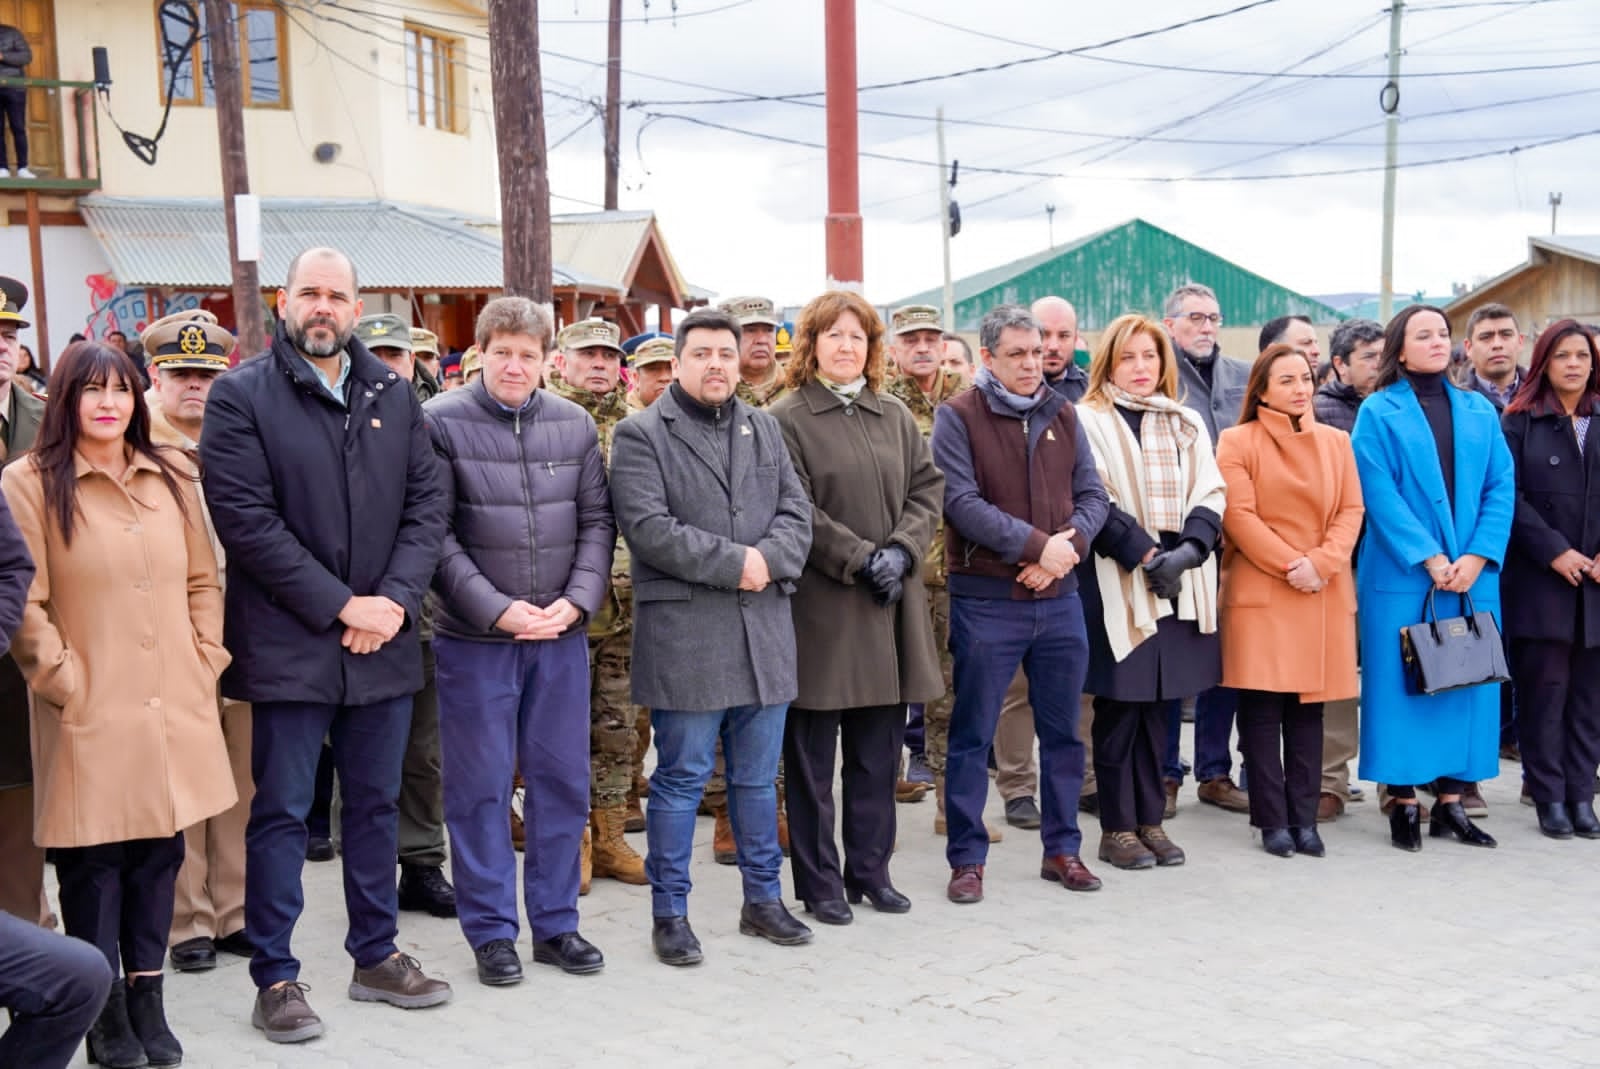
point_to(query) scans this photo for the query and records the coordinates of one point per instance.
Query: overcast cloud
(745, 215)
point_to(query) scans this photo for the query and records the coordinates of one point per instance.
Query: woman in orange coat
(1288, 599)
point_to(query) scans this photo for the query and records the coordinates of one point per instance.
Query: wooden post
(843, 224)
(40, 317)
(223, 34)
(613, 103)
(519, 131)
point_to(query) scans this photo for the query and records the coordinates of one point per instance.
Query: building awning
(181, 243)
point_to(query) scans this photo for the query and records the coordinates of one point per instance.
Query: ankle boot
(112, 1042)
(1584, 821)
(634, 810)
(724, 851)
(1553, 820)
(148, 1016)
(613, 856)
(1405, 826)
(1450, 818)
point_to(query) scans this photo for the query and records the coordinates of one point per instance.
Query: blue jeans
(369, 742)
(989, 638)
(505, 706)
(54, 987)
(686, 742)
(1213, 730)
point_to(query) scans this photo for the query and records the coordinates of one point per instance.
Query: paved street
(1369, 957)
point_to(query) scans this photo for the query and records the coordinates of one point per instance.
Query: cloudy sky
(1193, 129)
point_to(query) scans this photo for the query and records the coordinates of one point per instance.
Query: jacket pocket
(663, 589)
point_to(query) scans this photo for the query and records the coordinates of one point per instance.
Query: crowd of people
(871, 551)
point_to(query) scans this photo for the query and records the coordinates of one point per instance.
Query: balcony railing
(63, 136)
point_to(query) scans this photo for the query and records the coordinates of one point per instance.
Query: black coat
(316, 503)
(1558, 508)
(16, 574)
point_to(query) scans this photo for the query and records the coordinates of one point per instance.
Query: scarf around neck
(1019, 404)
(849, 391)
(1164, 435)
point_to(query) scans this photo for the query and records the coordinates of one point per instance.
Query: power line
(673, 16)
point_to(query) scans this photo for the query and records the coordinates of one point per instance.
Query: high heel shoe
(111, 1039)
(1307, 841)
(1584, 822)
(1405, 826)
(1449, 818)
(1553, 820)
(884, 899)
(830, 910)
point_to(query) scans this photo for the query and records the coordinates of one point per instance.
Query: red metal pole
(844, 179)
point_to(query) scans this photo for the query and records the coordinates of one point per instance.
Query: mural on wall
(114, 308)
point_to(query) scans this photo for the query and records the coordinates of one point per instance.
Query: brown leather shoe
(906, 792)
(1472, 801)
(1223, 793)
(398, 980)
(1171, 811)
(1070, 872)
(783, 824)
(1330, 807)
(966, 884)
(1155, 840)
(1124, 850)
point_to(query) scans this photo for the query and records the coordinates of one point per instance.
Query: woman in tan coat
(121, 643)
(1288, 599)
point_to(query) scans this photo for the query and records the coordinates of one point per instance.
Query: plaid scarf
(1163, 436)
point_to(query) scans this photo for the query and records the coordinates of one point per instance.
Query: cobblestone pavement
(1368, 957)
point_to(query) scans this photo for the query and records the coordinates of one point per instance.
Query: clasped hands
(1059, 558)
(527, 622)
(369, 622)
(885, 571)
(1574, 566)
(1454, 576)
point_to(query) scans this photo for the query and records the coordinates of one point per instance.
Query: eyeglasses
(1200, 319)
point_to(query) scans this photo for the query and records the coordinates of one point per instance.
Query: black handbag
(1453, 653)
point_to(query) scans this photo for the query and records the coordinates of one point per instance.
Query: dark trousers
(368, 745)
(871, 739)
(421, 788)
(54, 987)
(1281, 737)
(989, 638)
(1558, 718)
(916, 729)
(15, 104)
(1442, 785)
(319, 822)
(1128, 741)
(118, 897)
(520, 706)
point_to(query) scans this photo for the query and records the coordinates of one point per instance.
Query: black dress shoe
(884, 899)
(498, 963)
(674, 941)
(423, 889)
(1307, 841)
(1584, 822)
(1554, 821)
(238, 944)
(194, 955)
(571, 952)
(1449, 818)
(772, 922)
(1023, 813)
(319, 849)
(1405, 826)
(1277, 842)
(830, 910)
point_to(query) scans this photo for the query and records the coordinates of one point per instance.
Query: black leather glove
(884, 571)
(1164, 571)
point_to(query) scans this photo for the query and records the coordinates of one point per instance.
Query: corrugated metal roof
(1131, 267)
(605, 245)
(182, 243)
(1583, 246)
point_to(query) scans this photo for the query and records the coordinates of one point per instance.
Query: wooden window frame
(446, 53)
(198, 54)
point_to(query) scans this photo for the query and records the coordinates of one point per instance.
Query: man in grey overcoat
(719, 527)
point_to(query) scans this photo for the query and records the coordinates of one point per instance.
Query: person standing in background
(15, 55)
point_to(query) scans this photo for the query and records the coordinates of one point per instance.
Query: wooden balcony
(63, 138)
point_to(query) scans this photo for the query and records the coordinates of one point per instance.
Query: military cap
(589, 333)
(783, 343)
(16, 296)
(632, 344)
(471, 361)
(424, 341)
(385, 331)
(654, 351)
(191, 339)
(749, 310)
(916, 317)
(450, 364)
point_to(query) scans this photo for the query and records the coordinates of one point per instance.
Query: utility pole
(1389, 100)
(222, 33)
(519, 131)
(1555, 202)
(949, 302)
(1050, 221)
(613, 104)
(844, 175)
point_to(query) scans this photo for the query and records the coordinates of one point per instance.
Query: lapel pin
(744, 429)
(1050, 435)
(376, 423)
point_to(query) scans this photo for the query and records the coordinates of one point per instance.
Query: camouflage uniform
(613, 718)
(935, 714)
(761, 397)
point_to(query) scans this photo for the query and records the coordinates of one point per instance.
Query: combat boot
(585, 863)
(634, 811)
(613, 856)
(723, 848)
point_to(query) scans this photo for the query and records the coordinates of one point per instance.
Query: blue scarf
(1019, 404)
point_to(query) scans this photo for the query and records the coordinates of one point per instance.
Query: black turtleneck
(1433, 395)
(716, 421)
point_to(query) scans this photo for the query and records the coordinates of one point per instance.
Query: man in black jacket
(325, 494)
(1354, 348)
(15, 55)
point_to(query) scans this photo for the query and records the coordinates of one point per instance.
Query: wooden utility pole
(613, 104)
(844, 164)
(222, 33)
(519, 130)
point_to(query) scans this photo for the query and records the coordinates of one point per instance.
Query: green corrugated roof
(1131, 267)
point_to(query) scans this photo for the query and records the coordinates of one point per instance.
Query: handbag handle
(1468, 612)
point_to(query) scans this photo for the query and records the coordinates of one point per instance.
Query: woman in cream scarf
(1150, 585)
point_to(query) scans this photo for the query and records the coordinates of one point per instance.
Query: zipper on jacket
(527, 498)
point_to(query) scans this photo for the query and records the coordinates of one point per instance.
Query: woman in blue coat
(1439, 488)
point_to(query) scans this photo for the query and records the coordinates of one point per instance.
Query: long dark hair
(1536, 395)
(1261, 371)
(83, 364)
(1394, 343)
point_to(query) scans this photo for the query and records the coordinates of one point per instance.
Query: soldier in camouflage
(588, 372)
(760, 375)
